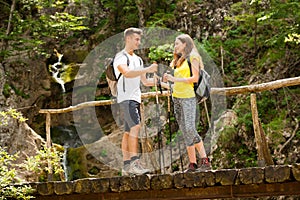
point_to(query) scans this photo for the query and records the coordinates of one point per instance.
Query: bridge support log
(264, 155)
(48, 143)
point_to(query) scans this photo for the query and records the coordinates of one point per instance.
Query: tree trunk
(140, 7)
(12, 9)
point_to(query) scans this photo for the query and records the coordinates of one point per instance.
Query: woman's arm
(193, 79)
(152, 81)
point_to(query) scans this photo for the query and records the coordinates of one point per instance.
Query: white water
(56, 72)
(64, 161)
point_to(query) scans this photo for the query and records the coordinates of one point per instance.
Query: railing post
(261, 161)
(48, 135)
(48, 143)
(264, 156)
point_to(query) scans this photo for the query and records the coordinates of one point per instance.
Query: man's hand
(152, 68)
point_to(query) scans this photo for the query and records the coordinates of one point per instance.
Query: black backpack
(202, 87)
(111, 77)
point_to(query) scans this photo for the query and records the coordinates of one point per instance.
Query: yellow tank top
(180, 89)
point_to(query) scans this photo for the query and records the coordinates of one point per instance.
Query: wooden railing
(264, 156)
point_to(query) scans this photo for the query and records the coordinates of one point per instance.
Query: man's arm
(151, 81)
(134, 73)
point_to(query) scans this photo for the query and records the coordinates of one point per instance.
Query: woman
(184, 98)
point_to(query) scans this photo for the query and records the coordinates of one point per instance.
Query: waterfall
(64, 162)
(55, 69)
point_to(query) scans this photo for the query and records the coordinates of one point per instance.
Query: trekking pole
(156, 108)
(169, 122)
(180, 155)
(160, 146)
(206, 111)
(146, 146)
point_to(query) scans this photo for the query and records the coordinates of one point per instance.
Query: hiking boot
(125, 170)
(137, 169)
(192, 168)
(204, 165)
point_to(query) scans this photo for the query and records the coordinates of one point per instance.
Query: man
(129, 97)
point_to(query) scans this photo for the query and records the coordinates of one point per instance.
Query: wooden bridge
(265, 180)
(226, 183)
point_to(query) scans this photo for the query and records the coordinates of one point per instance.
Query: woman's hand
(168, 77)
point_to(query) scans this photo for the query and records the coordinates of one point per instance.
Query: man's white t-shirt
(132, 90)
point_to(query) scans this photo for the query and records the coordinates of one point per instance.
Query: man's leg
(125, 147)
(126, 155)
(133, 141)
(132, 125)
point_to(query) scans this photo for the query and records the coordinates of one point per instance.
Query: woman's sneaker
(191, 168)
(137, 169)
(204, 165)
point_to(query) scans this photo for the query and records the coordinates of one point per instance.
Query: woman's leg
(201, 150)
(185, 112)
(191, 154)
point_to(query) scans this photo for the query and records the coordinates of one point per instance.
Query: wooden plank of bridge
(229, 183)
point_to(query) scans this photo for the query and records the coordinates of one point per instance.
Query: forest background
(251, 42)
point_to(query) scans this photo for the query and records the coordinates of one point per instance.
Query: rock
(226, 176)
(277, 173)
(253, 175)
(296, 171)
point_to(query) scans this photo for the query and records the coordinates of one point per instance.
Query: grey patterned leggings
(185, 113)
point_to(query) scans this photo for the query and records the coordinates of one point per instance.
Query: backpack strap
(190, 65)
(191, 74)
(128, 62)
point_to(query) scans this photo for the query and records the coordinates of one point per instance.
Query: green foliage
(6, 90)
(8, 178)
(10, 113)
(160, 19)
(232, 151)
(69, 73)
(20, 92)
(244, 114)
(227, 136)
(45, 163)
(259, 33)
(100, 98)
(275, 129)
(31, 30)
(75, 161)
(293, 38)
(162, 53)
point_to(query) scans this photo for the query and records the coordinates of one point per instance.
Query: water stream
(65, 162)
(68, 138)
(56, 69)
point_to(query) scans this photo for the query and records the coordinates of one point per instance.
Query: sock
(133, 158)
(126, 162)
